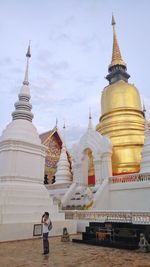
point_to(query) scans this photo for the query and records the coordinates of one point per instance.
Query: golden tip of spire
(113, 20)
(28, 54)
(116, 54)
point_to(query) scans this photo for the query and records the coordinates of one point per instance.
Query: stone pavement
(29, 254)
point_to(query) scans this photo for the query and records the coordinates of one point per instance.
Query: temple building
(53, 141)
(122, 117)
(107, 171)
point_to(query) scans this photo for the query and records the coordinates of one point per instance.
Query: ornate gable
(53, 142)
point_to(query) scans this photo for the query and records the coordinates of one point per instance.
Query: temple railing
(130, 178)
(111, 216)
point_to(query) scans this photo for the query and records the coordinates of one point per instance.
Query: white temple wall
(97, 168)
(18, 231)
(123, 196)
(77, 173)
(145, 155)
(145, 162)
(130, 196)
(102, 197)
(107, 166)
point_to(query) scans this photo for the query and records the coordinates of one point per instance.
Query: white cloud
(73, 134)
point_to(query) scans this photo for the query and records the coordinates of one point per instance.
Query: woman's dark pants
(45, 243)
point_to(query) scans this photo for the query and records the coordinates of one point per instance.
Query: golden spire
(116, 54)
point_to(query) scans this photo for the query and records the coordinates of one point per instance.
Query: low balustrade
(130, 178)
(111, 216)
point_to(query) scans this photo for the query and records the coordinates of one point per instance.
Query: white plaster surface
(22, 130)
(81, 225)
(133, 196)
(19, 231)
(130, 196)
(145, 159)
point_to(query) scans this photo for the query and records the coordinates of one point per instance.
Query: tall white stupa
(23, 197)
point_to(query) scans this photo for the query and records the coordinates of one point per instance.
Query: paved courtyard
(29, 254)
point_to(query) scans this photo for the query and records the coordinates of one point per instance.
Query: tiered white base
(22, 203)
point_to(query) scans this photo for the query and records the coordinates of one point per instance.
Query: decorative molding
(136, 217)
(130, 178)
(23, 179)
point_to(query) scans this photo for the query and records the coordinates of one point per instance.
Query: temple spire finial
(56, 125)
(64, 134)
(113, 23)
(116, 54)
(64, 126)
(28, 55)
(144, 109)
(90, 116)
(117, 70)
(90, 120)
(23, 106)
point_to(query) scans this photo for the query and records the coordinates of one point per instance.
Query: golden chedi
(122, 118)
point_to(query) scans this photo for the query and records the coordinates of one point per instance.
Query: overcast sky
(71, 45)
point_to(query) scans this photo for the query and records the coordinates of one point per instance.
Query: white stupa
(145, 161)
(23, 197)
(63, 174)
